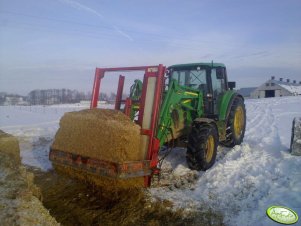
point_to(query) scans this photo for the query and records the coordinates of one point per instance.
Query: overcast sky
(58, 43)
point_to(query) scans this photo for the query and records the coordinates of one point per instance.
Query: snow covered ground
(242, 184)
(249, 178)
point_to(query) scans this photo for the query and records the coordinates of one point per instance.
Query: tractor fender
(236, 95)
(226, 104)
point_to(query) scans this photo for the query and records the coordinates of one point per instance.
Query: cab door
(218, 88)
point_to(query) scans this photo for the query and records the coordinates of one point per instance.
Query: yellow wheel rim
(209, 148)
(239, 120)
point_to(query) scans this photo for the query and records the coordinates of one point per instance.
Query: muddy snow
(242, 184)
(19, 196)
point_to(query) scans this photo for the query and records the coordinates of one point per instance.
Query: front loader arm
(178, 106)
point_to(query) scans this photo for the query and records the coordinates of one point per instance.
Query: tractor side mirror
(231, 85)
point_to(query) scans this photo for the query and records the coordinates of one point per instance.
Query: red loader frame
(153, 79)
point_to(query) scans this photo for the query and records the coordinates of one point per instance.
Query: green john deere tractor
(186, 104)
(201, 108)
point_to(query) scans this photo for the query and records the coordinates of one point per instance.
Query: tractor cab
(208, 78)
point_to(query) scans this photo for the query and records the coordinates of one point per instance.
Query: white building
(277, 88)
(14, 100)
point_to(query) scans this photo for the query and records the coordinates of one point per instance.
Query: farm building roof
(293, 88)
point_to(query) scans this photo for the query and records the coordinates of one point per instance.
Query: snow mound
(249, 178)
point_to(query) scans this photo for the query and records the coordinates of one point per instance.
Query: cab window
(192, 78)
(218, 81)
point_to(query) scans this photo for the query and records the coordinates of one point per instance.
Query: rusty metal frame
(103, 168)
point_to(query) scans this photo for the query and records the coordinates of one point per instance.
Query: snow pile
(175, 173)
(249, 178)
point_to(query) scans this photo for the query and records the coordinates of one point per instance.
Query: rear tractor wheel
(236, 124)
(202, 147)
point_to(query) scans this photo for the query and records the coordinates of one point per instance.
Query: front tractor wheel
(202, 147)
(236, 124)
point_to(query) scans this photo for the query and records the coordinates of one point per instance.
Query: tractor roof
(191, 65)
